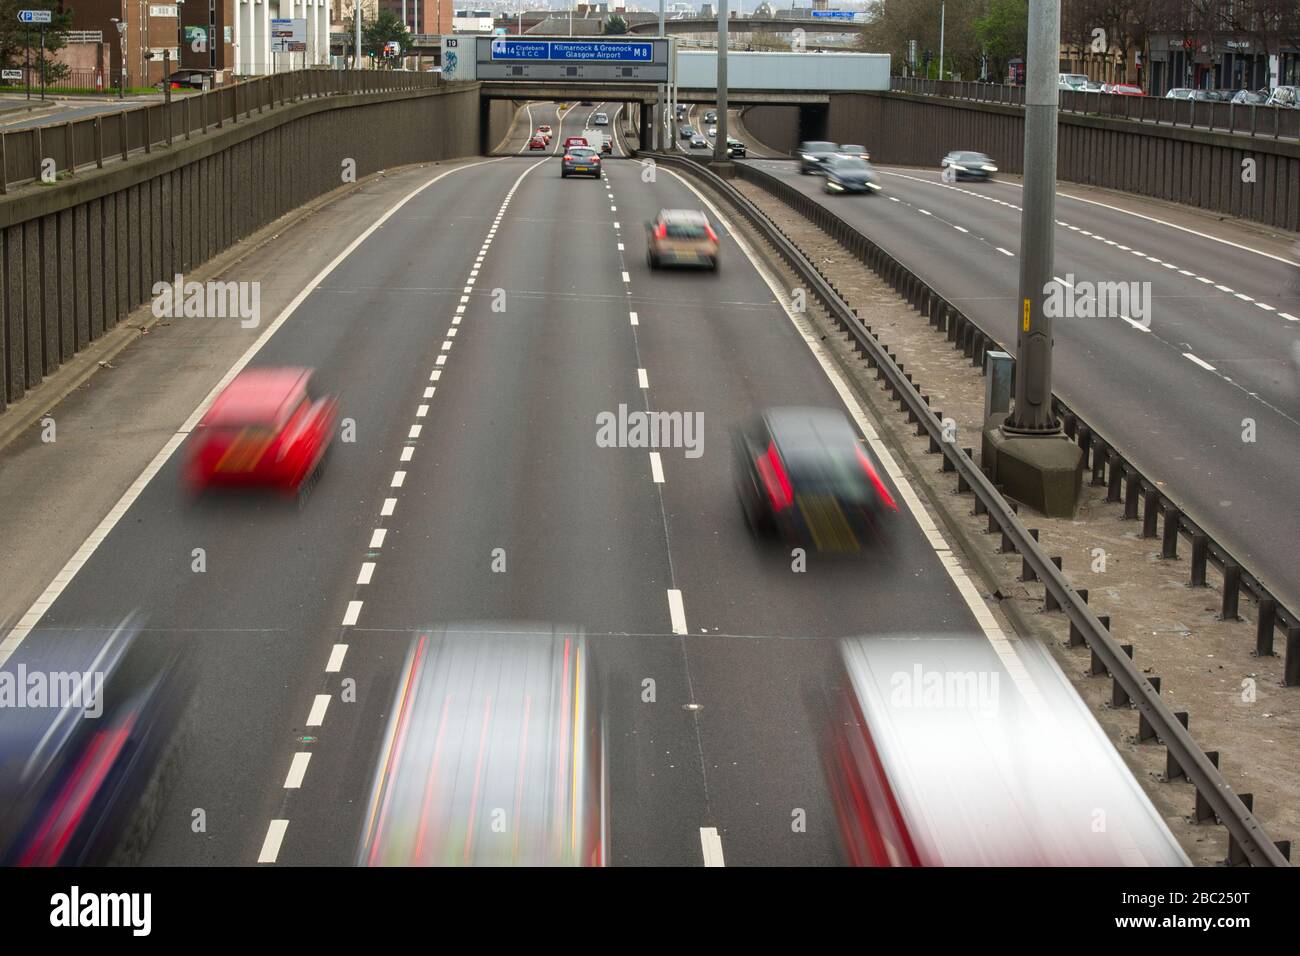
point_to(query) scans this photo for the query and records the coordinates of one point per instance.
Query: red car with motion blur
(265, 428)
(537, 142)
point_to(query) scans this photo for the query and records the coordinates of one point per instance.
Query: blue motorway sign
(833, 14)
(572, 51)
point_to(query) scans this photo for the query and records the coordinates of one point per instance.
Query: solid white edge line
(677, 611)
(271, 844)
(29, 620)
(711, 845)
(297, 770)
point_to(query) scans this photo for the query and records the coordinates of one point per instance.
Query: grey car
(580, 161)
(963, 164)
(736, 149)
(812, 153)
(849, 174)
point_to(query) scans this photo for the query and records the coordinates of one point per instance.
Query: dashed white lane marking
(962, 229)
(711, 845)
(297, 770)
(1265, 306)
(408, 453)
(1201, 362)
(352, 613)
(616, 224)
(642, 379)
(626, 277)
(1223, 288)
(1288, 316)
(441, 360)
(657, 467)
(335, 663)
(1006, 252)
(318, 708)
(422, 411)
(620, 247)
(390, 504)
(923, 212)
(32, 617)
(435, 375)
(1002, 646)
(377, 537)
(632, 316)
(399, 478)
(677, 611)
(1243, 297)
(366, 573)
(414, 432)
(446, 345)
(271, 844)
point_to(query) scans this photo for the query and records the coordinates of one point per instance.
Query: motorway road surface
(491, 422)
(1222, 349)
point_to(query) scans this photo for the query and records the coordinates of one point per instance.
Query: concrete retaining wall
(77, 257)
(1196, 167)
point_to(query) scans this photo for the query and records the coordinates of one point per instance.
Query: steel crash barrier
(59, 148)
(1248, 843)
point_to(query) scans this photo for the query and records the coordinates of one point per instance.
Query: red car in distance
(537, 142)
(263, 429)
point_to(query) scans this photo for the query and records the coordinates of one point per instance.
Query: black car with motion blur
(963, 164)
(580, 161)
(849, 174)
(812, 153)
(803, 475)
(85, 770)
(736, 149)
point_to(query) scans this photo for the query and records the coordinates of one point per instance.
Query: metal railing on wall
(1268, 121)
(55, 150)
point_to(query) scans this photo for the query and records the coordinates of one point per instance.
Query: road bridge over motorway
(746, 25)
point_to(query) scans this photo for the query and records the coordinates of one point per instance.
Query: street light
(121, 47)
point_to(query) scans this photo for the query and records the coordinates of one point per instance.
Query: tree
(614, 25)
(1004, 33)
(14, 37)
(388, 27)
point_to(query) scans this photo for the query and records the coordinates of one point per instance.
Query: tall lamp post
(720, 140)
(121, 47)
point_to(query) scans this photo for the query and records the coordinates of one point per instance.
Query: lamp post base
(1044, 472)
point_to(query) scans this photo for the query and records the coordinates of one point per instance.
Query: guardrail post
(1150, 512)
(1264, 627)
(1132, 488)
(1116, 476)
(1169, 546)
(1099, 465)
(1231, 590)
(1291, 668)
(1200, 551)
(1027, 572)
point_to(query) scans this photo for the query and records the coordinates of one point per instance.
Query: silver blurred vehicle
(494, 754)
(953, 750)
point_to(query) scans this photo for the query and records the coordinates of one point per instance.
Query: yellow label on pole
(1026, 324)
